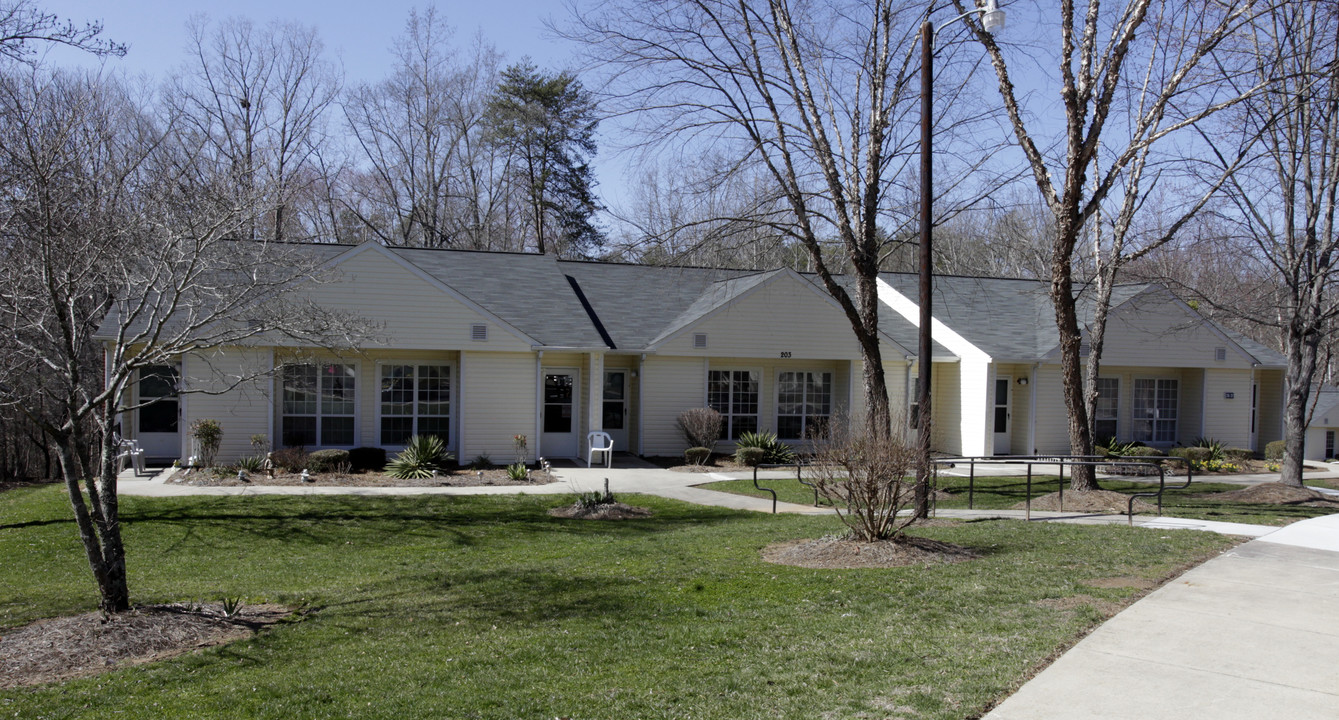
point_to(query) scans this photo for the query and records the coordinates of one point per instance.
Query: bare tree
(1130, 75)
(869, 479)
(116, 255)
(821, 95)
(258, 98)
(24, 27)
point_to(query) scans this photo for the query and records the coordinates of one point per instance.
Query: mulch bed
(604, 511)
(1274, 493)
(1091, 501)
(461, 478)
(70, 647)
(838, 553)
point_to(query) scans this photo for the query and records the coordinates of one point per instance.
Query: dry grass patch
(839, 553)
(1091, 501)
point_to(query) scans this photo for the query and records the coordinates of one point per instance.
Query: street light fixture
(992, 19)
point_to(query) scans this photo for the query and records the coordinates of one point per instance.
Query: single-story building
(479, 347)
(1320, 434)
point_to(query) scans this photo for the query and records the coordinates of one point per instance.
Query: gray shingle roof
(1007, 319)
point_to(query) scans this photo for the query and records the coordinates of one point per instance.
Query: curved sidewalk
(1247, 635)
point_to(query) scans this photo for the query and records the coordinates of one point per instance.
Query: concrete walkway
(1249, 634)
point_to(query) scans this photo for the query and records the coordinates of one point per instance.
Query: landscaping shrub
(1215, 447)
(701, 427)
(421, 457)
(750, 456)
(363, 459)
(870, 480)
(291, 459)
(324, 461)
(697, 455)
(251, 463)
(1196, 455)
(518, 472)
(1275, 450)
(481, 462)
(209, 433)
(1236, 454)
(774, 451)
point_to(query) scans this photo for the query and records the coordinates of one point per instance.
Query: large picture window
(1155, 409)
(1105, 418)
(415, 400)
(319, 405)
(803, 404)
(734, 394)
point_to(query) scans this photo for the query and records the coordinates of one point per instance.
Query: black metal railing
(799, 466)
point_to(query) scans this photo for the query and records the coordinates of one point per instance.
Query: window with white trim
(803, 404)
(319, 405)
(734, 394)
(415, 400)
(1107, 412)
(1155, 409)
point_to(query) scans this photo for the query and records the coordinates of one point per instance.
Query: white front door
(560, 414)
(615, 414)
(1001, 415)
(158, 427)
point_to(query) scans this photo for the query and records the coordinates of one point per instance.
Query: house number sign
(785, 353)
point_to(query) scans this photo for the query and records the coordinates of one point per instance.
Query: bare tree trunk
(1302, 348)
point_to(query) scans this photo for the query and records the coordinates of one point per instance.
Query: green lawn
(994, 493)
(485, 607)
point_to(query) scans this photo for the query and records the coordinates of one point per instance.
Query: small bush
(518, 472)
(701, 427)
(1215, 447)
(774, 451)
(1275, 450)
(362, 459)
(1144, 451)
(481, 462)
(324, 461)
(251, 463)
(750, 456)
(1236, 454)
(697, 455)
(1196, 455)
(209, 433)
(292, 459)
(421, 457)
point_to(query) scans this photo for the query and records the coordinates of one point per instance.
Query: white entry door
(1001, 415)
(616, 407)
(159, 423)
(560, 414)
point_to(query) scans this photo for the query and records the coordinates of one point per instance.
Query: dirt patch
(603, 511)
(70, 647)
(1124, 581)
(1091, 501)
(1274, 493)
(843, 554)
(461, 478)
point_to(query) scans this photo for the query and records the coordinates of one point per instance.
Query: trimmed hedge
(1275, 450)
(750, 456)
(323, 461)
(697, 455)
(290, 459)
(1236, 454)
(1193, 454)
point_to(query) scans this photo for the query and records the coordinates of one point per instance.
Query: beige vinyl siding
(1314, 443)
(782, 316)
(1052, 424)
(1156, 330)
(1271, 407)
(242, 409)
(1228, 420)
(946, 407)
(498, 403)
(406, 310)
(672, 385)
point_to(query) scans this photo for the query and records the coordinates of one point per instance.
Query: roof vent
(699, 340)
(1220, 354)
(479, 332)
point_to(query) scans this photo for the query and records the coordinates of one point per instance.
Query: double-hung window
(1155, 409)
(415, 400)
(1105, 417)
(319, 405)
(803, 404)
(734, 394)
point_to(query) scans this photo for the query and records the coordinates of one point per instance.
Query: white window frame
(804, 415)
(452, 426)
(727, 432)
(1115, 416)
(320, 415)
(1153, 429)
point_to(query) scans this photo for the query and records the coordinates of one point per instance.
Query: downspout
(641, 404)
(457, 407)
(539, 403)
(1032, 409)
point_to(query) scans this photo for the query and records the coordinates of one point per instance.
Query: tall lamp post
(992, 19)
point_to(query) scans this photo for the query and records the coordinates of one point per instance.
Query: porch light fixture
(1022, 381)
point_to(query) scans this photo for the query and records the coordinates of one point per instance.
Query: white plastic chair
(600, 442)
(129, 451)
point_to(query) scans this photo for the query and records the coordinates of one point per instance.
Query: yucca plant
(1216, 448)
(518, 472)
(774, 451)
(422, 456)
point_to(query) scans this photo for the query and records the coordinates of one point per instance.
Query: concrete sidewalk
(1249, 634)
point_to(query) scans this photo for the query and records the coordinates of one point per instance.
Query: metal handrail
(1072, 461)
(799, 476)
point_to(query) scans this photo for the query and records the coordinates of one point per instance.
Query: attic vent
(699, 340)
(479, 332)
(1220, 354)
